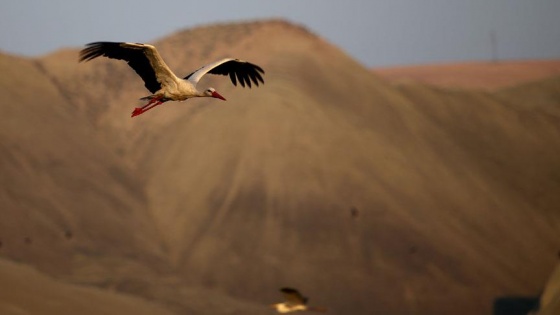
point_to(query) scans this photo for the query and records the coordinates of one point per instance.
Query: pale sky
(375, 32)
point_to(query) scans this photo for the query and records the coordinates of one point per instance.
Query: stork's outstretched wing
(143, 58)
(238, 70)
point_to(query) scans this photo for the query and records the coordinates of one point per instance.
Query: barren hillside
(209, 207)
(27, 291)
(473, 75)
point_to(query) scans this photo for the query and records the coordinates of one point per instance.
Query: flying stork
(161, 81)
(294, 302)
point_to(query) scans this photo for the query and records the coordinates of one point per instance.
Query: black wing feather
(135, 58)
(247, 79)
(258, 78)
(242, 78)
(233, 78)
(238, 71)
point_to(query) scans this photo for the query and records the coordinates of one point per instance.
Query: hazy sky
(376, 32)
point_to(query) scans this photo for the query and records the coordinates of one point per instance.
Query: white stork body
(294, 302)
(161, 81)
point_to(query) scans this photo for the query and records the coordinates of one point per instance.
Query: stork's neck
(185, 87)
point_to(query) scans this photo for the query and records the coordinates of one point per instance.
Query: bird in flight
(161, 81)
(294, 302)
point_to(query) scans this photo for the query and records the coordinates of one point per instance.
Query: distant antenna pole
(494, 43)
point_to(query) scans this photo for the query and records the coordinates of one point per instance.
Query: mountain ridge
(239, 198)
(488, 76)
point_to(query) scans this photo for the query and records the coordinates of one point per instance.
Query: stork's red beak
(216, 95)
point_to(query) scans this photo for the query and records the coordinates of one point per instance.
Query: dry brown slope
(266, 183)
(24, 290)
(473, 75)
(506, 145)
(220, 160)
(260, 186)
(58, 177)
(70, 204)
(254, 193)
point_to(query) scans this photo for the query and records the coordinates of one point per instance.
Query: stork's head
(211, 92)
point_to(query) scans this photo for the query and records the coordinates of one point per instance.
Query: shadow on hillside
(515, 305)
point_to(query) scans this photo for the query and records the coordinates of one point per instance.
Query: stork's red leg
(140, 110)
(155, 101)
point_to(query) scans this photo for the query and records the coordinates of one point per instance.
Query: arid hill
(369, 198)
(473, 75)
(27, 291)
